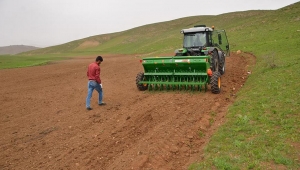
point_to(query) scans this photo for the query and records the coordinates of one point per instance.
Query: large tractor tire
(222, 65)
(215, 61)
(215, 82)
(140, 77)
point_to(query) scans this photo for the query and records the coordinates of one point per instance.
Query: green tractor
(201, 61)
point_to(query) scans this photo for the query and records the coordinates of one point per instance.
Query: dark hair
(99, 58)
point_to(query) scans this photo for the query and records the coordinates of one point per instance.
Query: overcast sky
(45, 23)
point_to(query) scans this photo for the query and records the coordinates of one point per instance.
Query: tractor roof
(196, 29)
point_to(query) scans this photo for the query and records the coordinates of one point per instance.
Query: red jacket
(93, 72)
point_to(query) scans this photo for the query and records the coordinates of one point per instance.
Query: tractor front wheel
(140, 77)
(215, 82)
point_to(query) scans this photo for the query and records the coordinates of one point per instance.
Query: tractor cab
(199, 37)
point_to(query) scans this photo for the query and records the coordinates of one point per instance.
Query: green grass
(262, 126)
(263, 123)
(17, 61)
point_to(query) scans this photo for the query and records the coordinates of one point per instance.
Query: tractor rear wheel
(215, 82)
(140, 77)
(215, 61)
(222, 65)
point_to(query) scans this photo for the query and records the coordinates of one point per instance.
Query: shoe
(89, 108)
(101, 104)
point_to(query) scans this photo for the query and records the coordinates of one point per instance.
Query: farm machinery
(200, 62)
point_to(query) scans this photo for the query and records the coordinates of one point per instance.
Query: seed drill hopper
(201, 61)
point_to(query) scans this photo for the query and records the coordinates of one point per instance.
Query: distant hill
(15, 49)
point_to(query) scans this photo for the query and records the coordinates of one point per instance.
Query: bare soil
(44, 123)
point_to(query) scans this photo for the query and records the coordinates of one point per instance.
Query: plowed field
(44, 123)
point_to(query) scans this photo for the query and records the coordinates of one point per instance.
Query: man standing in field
(94, 82)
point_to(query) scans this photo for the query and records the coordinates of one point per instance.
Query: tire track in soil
(45, 125)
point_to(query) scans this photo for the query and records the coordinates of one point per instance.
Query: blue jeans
(91, 86)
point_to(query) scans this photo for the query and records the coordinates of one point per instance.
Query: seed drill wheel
(140, 77)
(215, 82)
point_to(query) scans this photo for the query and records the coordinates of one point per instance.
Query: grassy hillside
(243, 29)
(262, 128)
(262, 131)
